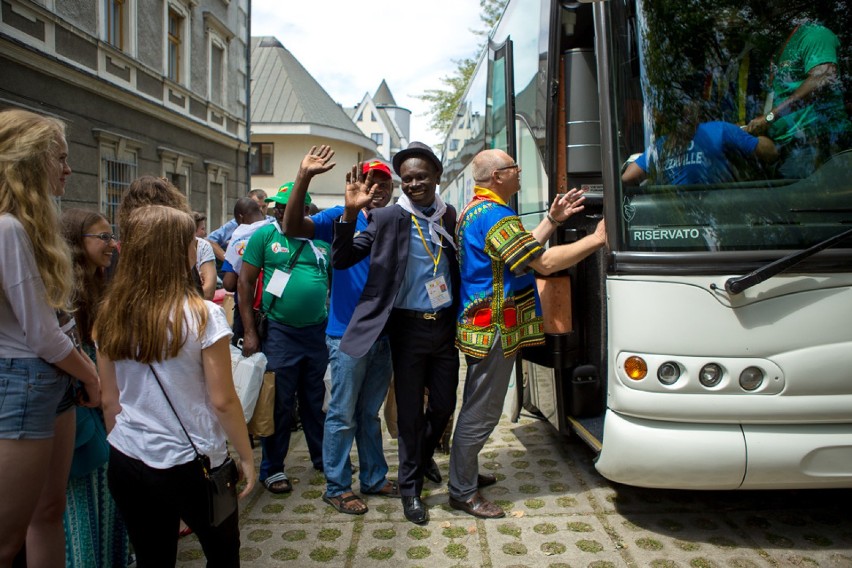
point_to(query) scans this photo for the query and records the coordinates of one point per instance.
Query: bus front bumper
(651, 453)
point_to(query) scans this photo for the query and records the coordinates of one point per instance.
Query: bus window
(532, 201)
(745, 135)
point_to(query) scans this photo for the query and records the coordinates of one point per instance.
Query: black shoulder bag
(221, 482)
(261, 318)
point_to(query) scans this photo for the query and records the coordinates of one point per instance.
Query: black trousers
(152, 502)
(424, 356)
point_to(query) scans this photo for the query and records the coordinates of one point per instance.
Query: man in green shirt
(295, 289)
(807, 119)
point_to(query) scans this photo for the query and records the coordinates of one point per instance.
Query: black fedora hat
(418, 149)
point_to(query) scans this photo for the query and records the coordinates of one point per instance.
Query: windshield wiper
(743, 283)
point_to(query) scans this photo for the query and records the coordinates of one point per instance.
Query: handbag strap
(188, 437)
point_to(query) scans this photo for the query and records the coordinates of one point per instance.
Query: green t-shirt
(303, 301)
(809, 45)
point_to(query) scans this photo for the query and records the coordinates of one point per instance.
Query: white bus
(711, 346)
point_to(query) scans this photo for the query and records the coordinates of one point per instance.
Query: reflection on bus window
(745, 131)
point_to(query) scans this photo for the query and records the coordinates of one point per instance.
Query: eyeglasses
(511, 167)
(105, 237)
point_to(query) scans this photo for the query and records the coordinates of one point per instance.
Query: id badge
(278, 282)
(439, 293)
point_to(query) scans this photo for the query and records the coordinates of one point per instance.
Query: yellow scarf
(485, 193)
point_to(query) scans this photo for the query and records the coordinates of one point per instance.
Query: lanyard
(435, 259)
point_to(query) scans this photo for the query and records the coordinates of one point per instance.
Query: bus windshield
(733, 123)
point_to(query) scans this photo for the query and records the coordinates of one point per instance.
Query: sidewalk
(560, 513)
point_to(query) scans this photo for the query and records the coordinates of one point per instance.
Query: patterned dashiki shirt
(498, 290)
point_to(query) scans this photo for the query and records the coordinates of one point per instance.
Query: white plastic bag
(248, 377)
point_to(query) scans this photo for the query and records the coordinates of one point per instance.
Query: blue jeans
(298, 357)
(30, 393)
(358, 388)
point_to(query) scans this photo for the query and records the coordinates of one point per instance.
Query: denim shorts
(30, 395)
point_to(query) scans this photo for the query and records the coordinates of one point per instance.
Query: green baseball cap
(283, 195)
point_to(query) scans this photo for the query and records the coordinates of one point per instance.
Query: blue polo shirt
(346, 285)
(421, 269)
(222, 235)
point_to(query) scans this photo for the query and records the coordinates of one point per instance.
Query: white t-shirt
(204, 253)
(28, 326)
(146, 428)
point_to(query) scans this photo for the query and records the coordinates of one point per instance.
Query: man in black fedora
(411, 293)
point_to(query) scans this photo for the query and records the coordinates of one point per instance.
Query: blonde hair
(88, 285)
(142, 315)
(28, 143)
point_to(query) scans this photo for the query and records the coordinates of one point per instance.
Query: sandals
(389, 489)
(342, 504)
(278, 483)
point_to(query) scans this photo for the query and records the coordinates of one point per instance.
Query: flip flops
(278, 483)
(341, 504)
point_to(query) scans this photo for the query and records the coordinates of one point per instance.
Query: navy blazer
(386, 240)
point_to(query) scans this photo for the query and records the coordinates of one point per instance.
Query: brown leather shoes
(485, 479)
(478, 506)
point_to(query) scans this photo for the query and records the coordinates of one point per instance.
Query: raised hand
(316, 161)
(567, 204)
(359, 188)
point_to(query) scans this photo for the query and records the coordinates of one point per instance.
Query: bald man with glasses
(491, 328)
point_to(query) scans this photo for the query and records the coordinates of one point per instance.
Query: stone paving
(560, 513)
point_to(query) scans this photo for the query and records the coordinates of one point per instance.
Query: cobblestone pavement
(560, 513)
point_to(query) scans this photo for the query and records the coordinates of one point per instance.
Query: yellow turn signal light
(636, 368)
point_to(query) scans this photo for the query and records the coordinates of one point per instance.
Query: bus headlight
(668, 373)
(636, 368)
(711, 375)
(751, 378)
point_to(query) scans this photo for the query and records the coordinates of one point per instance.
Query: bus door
(566, 377)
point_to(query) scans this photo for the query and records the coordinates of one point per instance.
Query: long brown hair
(88, 285)
(142, 315)
(28, 143)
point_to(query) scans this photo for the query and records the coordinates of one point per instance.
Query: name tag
(278, 282)
(439, 293)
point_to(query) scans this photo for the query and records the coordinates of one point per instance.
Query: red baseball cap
(376, 166)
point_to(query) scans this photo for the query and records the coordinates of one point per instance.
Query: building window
(177, 168)
(118, 24)
(218, 36)
(176, 24)
(454, 144)
(114, 11)
(117, 171)
(377, 137)
(217, 73)
(262, 159)
(217, 190)
(372, 116)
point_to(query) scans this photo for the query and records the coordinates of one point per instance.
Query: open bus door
(565, 379)
(501, 134)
